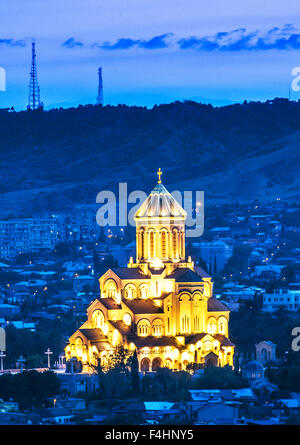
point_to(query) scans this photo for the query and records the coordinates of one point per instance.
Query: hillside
(49, 160)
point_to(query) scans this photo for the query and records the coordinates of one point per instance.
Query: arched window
(127, 319)
(98, 319)
(181, 242)
(196, 323)
(207, 346)
(157, 327)
(164, 244)
(143, 291)
(185, 323)
(175, 243)
(185, 313)
(211, 325)
(143, 328)
(156, 363)
(110, 288)
(145, 365)
(151, 244)
(222, 325)
(142, 244)
(130, 291)
(78, 346)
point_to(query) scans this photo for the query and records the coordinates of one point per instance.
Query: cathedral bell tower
(160, 229)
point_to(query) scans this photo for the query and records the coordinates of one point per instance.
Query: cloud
(13, 42)
(240, 39)
(156, 42)
(72, 43)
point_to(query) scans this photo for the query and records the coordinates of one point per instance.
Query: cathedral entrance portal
(211, 360)
(156, 363)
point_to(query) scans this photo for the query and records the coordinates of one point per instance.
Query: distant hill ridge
(51, 159)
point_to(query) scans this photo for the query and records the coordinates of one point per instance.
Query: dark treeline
(82, 143)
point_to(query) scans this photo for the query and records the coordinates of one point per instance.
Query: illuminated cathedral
(160, 305)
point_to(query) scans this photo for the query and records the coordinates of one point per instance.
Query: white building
(27, 235)
(287, 298)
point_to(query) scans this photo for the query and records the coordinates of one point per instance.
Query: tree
(29, 388)
(134, 371)
(115, 378)
(220, 378)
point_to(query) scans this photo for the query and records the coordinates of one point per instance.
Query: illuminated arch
(151, 244)
(98, 319)
(185, 312)
(141, 249)
(212, 325)
(110, 288)
(175, 250)
(156, 363)
(130, 291)
(164, 244)
(143, 291)
(127, 319)
(78, 347)
(145, 365)
(222, 325)
(143, 327)
(158, 327)
(168, 363)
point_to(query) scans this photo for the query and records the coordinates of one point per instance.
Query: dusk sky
(151, 51)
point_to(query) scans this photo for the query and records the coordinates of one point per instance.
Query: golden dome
(160, 204)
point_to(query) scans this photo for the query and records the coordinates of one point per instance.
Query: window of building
(130, 291)
(174, 243)
(164, 244)
(144, 291)
(110, 288)
(143, 328)
(185, 323)
(222, 325)
(157, 328)
(151, 244)
(211, 325)
(98, 319)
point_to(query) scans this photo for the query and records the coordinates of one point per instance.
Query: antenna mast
(34, 100)
(100, 88)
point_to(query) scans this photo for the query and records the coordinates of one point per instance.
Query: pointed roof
(160, 204)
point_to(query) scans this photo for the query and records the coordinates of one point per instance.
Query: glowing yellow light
(104, 329)
(115, 337)
(157, 263)
(127, 319)
(118, 298)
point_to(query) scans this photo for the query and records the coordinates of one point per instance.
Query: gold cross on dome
(159, 173)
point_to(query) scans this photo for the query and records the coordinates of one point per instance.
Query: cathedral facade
(160, 305)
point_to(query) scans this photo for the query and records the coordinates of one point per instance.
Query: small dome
(160, 204)
(253, 366)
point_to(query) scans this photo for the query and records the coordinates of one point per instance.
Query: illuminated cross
(2, 355)
(159, 173)
(48, 352)
(21, 360)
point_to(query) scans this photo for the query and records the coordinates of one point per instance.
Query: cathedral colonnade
(165, 243)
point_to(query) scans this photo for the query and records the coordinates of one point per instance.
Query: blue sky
(151, 51)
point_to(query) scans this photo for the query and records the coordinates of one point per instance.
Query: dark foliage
(29, 388)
